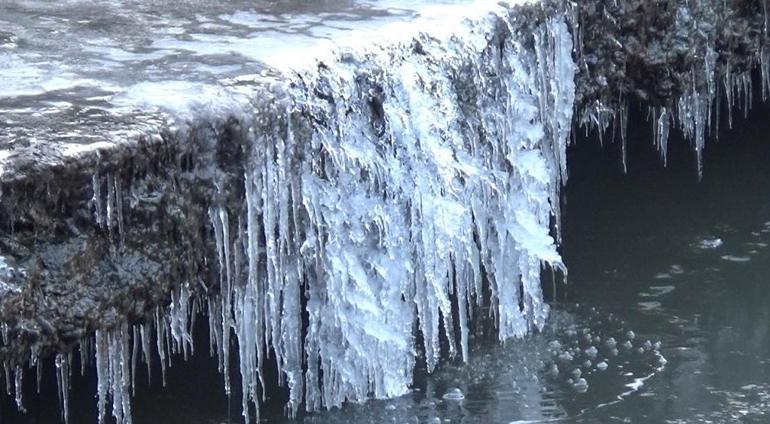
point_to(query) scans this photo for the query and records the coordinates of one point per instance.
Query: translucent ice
(401, 179)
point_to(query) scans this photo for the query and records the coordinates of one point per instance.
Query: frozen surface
(395, 224)
(79, 72)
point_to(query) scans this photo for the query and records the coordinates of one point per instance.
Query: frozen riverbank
(400, 174)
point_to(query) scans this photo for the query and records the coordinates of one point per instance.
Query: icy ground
(78, 72)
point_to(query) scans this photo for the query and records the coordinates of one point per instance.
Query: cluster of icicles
(697, 113)
(430, 172)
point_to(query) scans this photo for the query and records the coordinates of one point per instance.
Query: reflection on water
(579, 362)
(666, 317)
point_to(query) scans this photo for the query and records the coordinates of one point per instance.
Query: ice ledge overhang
(109, 164)
(138, 120)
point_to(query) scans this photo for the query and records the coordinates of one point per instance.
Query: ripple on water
(572, 366)
(649, 306)
(658, 291)
(734, 258)
(747, 404)
(596, 362)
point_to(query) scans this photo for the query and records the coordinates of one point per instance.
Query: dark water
(646, 248)
(682, 264)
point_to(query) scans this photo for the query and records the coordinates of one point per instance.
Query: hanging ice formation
(428, 166)
(396, 187)
(406, 176)
(709, 84)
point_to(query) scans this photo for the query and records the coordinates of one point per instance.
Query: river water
(666, 314)
(681, 262)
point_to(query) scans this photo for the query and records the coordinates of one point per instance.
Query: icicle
(248, 313)
(85, 355)
(63, 374)
(118, 189)
(39, 372)
(764, 66)
(113, 374)
(227, 297)
(384, 217)
(623, 119)
(96, 185)
(220, 222)
(111, 205)
(729, 98)
(747, 94)
(8, 380)
(214, 328)
(144, 334)
(662, 125)
(134, 356)
(179, 315)
(160, 344)
(102, 374)
(122, 380)
(18, 389)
